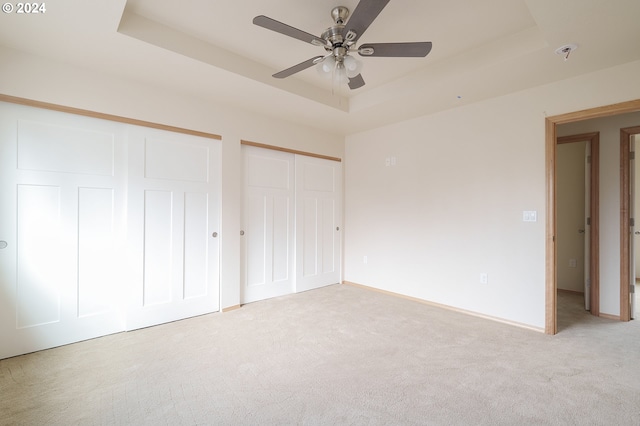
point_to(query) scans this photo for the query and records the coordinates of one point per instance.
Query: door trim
(551, 326)
(625, 217)
(594, 212)
(291, 151)
(103, 116)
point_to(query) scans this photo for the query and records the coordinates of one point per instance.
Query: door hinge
(632, 288)
(632, 222)
(588, 221)
(588, 159)
(632, 155)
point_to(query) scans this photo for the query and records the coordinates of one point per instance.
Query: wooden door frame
(551, 302)
(625, 217)
(594, 213)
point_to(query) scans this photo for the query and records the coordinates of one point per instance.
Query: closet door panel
(268, 224)
(62, 199)
(174, 226)
(318, 221)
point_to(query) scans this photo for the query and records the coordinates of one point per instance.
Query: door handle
(637, 233)
(241, 232)
(214, 235)
(580, 231)
(3, 245)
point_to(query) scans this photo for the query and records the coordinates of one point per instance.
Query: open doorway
(577, 202)
(628, 196)
(550, 148)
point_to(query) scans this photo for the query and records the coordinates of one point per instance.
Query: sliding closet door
(173, 226)
(268, 224)
(62, 199)
(318, 221)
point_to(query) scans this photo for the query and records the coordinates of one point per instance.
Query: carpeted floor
(338, 355)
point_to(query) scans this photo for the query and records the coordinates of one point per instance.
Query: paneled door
(173, 226)
(268, 224)
(318, 222)
(62, 199)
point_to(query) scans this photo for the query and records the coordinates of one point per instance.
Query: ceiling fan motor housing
(337, 42)
(334, 36)
(339, 15)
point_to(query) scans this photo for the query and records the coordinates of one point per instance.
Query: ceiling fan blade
(279, 27)
(364, 14)
(396, 50)
(356, 82)
(297, 68)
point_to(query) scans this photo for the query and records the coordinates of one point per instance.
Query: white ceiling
(211, 49)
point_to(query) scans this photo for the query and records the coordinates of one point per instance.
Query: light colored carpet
(338, 355)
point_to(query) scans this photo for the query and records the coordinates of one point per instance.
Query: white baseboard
(450, 308)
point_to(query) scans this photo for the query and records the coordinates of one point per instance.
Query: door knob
(580, 231)
(3, 244)
(214, 235)
(241, 232)
(637, 233)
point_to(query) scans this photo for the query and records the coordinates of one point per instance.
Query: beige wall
(452, 207)
(45, 80)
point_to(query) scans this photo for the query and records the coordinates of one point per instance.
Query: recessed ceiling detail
(212, 51)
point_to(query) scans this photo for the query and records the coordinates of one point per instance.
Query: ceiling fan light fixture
(340, 75)
(352, 66)
(328, 64)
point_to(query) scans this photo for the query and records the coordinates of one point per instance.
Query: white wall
(609, 129)
(452, 206)
(36, 78)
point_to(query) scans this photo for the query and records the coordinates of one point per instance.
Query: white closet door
(268, 224)
(318, 221)
(62, 199)
(173, 226)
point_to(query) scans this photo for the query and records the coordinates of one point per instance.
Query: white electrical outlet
(573, 263)
(484, 278)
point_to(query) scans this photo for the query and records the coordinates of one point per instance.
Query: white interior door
(587, 227)
(632, 197)
(62, 200)
(173, 226)
(318, 221)
(268, 224)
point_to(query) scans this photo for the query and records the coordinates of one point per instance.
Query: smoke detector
(566, 50)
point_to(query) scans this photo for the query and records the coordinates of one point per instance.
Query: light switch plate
(529, 216)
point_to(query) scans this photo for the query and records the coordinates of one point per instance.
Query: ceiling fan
(339, 41)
